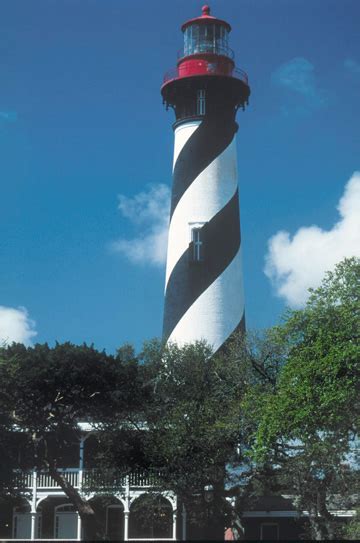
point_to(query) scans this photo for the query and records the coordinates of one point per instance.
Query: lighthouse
(204, 298)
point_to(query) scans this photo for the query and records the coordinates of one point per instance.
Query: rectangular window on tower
(197, 244)
(200, 108)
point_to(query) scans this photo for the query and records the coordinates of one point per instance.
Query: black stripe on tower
(208, 141)
(189, 280)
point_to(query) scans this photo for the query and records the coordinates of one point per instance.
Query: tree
(45, 392)
(8, 463)
(192, 423)
(196, 428)
(175, 408)
(352, 530)
(308, 425)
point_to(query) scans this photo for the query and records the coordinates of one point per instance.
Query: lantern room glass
(206, 38)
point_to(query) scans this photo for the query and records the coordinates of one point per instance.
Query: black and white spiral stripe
(204, 301)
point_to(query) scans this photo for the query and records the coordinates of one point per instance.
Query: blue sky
(86, 153)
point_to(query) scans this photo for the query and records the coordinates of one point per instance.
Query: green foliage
(198, 427)
(352, 530)
(56, 387)
(308, 424)
(319, 385)
(193, 419)
(152, 513)
(45, 393)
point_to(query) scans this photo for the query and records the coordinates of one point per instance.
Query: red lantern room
(205, 70)
(206, 47)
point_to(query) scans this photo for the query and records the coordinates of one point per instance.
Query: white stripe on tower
(217, 312)
(204, 300)
(207, 194)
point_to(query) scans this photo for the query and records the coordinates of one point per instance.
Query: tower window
(198, 244)
(200, 109)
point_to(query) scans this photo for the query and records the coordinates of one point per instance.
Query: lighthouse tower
(204, 284)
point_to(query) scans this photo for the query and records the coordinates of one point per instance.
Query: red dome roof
(204, 18)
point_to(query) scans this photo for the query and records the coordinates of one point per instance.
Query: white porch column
(127, 491)
(126, 525)
(183, 514)
(33, 525)
(127, 508)
(79, 527)
(33, 505)
(174, 525)
(80, 481)
(81, 461)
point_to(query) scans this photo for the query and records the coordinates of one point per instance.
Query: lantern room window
(206, 38)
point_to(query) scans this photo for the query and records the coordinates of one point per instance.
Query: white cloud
(15, 325)
(298, 77)
(148, 211)
(297, 74)
(295, 264)
(352, 65)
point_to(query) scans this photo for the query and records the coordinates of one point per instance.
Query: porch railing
(91, 478)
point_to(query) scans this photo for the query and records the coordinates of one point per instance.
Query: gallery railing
(89, 478)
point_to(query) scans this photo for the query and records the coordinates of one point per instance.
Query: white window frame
(62, 509)
(18, 511)
(196, 245)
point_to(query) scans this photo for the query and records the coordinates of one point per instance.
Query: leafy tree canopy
(197, 429)
(309, 424)
(44, 394)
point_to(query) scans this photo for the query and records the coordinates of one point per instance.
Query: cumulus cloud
(295, 264)
(15, 325)
(352, 65)
(297, 76)
(148, 211)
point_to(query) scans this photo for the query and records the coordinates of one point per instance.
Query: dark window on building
(198, 244)
(269, 530)
(115, 522)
